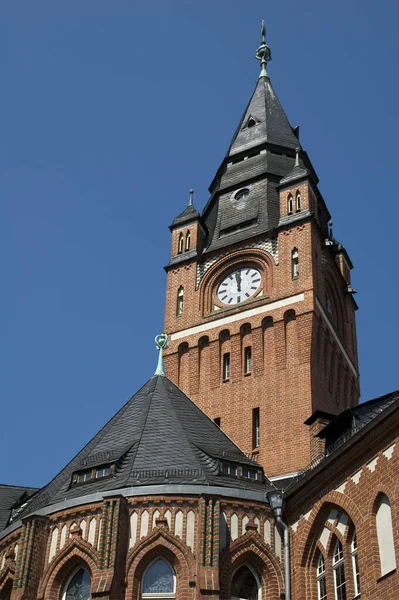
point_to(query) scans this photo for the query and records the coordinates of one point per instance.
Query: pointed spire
(263, 53)
(190, 202)
(161, 342)
(297, 151)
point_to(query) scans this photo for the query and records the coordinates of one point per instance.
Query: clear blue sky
(110, 112)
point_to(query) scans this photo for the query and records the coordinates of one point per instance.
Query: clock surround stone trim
(268, 245)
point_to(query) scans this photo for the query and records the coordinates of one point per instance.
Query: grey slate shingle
(10, 496)
(159, 436)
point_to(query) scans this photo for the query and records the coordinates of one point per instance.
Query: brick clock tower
(259, 302)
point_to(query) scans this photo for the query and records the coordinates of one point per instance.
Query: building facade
(249, 470)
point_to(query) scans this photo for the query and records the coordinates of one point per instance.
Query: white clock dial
(239, 286)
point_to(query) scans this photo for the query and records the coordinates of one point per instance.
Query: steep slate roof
(261, 153)
(272, 123)
(158, 437)
(350, 421)
(188, 214)
(11, 496)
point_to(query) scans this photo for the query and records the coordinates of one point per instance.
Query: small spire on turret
(263, 53)
(297, 151)
(162, 343)
(190, 202)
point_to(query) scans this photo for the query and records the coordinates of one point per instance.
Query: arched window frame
(188, 241)
(321, 578)
(290, 205)
(338, 566)
(295, 263)
(355, 564)
(298, 202)
(160, 595)
(180, 245)
(256, 577)
(180, 301)
(70, 578)
(383, 520)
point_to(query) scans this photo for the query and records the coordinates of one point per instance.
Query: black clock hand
(238, 280)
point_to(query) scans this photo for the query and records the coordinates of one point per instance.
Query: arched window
(339, 572)
(298, 202)
(159, 580)
(295, 264)
(385, 535)
(289, 205)
(245, 585)
(188, 241)
(181, 244)
(180, 301)
(321, 578)
(78, 586)
(355, 565)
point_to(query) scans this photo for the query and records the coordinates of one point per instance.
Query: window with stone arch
(245, 584)
(334, 562)
(298, 202)
(180, 301)
(321, 578)
(290, 205)
(77, 586)
(338, 566)
(159, 580)
(188, 241)
(383, 518)
(180, 244)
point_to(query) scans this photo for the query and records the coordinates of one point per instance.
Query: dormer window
(289, 205)
(229, 469)
(86, 475)
(249, 473)
(251, 122)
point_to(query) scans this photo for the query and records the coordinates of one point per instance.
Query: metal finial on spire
(190, 202)
(297, 151)
(161, 342)
(263, 53)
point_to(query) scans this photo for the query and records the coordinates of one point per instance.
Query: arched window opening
(78, 586)
(385, 535)
(226, 366)
(180, 301)
(295, 264)
(247, 360)
(188, 241)
(289, 205)
(245, 585)
(159, 580)
(298, 202)
(181, 244)
(321, 578)
(5, 592)
(355, 565)
(339, 572)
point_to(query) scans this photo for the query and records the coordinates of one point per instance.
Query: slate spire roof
(158, 437)
(188, 214)
(264, 120)
(261, 153)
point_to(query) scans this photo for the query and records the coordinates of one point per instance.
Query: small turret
(187, 233)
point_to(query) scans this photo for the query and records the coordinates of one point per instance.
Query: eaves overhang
(149, 490)
(343, 449)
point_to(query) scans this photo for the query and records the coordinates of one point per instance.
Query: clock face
(239, 286)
